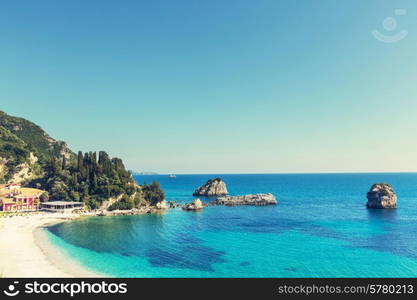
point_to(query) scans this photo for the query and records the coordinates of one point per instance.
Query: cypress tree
(64, 163)
(80, 160)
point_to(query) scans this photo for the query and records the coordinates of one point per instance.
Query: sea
(319, 228)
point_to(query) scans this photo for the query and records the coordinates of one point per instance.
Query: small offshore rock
(194, 206)
(257, 199)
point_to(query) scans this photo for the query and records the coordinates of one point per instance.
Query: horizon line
(282, 173)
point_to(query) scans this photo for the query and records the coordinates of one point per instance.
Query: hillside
(28, 155)
(24, 147)
(34, 137)
(16, 158)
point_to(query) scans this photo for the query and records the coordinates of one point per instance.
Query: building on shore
(15, 198)
(13, 186)
(61, 206)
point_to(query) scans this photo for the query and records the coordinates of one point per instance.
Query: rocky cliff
(213, 187)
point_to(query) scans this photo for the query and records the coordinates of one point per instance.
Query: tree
(153, 193)
(123, 204)
(93, 180)
(138, 198)
(55, 166)
(44, 197)
(64, 163)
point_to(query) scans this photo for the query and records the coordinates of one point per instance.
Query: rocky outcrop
(194, 206)
(106, 204)
(257, 199)
(173, 204)
(22, 173)
(161, 205)
(381, 195)
(213, 187)
(128, 212)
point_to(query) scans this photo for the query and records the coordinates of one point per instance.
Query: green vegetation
(13, 152)
(90, 179)
(19, 138)
(64, 175)
(35, 139)
(153, 193)
(148, 194)
(124, 203)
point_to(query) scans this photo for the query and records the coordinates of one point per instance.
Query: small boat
(172, 176)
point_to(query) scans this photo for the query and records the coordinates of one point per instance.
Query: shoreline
(25, 250)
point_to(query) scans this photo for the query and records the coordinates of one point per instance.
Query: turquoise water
(320, 228)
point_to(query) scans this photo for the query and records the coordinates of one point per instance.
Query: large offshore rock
(213, 187)
(381, 195)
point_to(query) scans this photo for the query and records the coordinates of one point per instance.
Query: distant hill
(142, 173)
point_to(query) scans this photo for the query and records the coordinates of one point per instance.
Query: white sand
(26, 252)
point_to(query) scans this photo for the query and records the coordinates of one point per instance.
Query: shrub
(124, 203)
(153, 193)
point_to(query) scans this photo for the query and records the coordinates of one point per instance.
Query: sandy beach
(26, 252)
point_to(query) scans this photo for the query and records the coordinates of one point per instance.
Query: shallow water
(320, 228)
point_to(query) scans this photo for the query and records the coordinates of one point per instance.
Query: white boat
(172, 176)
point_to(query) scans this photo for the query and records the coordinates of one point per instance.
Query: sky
(218, 86)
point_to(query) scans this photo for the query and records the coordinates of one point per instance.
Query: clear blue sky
(217, 86)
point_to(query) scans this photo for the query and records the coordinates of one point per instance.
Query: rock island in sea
(381, 195)
(213, 187)
(257, 199)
